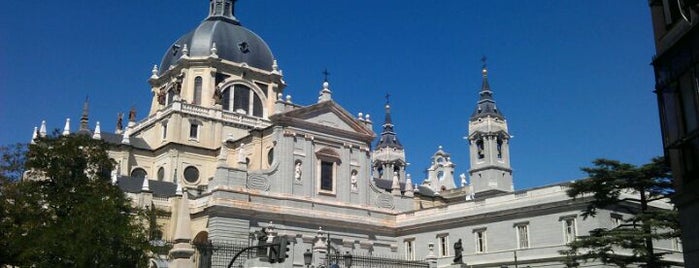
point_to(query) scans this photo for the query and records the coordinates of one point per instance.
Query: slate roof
(486, 104)
(388, 138)
(159, 188)
(115, 139)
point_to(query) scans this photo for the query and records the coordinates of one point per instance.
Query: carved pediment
(326, 117)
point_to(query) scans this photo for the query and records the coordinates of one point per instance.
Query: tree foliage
(12, 159)
(613, 184)
(66, 213)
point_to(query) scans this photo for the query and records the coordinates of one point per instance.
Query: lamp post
(307, 258)
(347, 257)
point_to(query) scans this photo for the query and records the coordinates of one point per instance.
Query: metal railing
(366, 261)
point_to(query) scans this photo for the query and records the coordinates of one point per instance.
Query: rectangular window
(569, 231)
(616, 220)
(443, 245)
(164, 131)
(676, 244)
(523, 236)
(326, 175)
(409, 249)
(480, 241)
(194, 131)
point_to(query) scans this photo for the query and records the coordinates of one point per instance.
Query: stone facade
(226, 154)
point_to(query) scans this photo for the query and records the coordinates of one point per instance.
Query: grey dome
(233, 42)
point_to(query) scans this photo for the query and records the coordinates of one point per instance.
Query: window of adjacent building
(569, 230)
(688, 95)
(676, 244)
(197, 91)
(522, 235)
(244, 100)
(671, 11)
(616, 219)
(161, 174)
(443, 240)
(191, 174)
(194, 131)
(139, 173)
(481, 242)
(409, 249)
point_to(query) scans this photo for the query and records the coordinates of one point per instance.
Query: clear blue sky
(572, 77)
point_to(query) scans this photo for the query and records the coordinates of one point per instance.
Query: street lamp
(307, 258)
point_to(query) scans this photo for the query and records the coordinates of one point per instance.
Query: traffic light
(283, 252)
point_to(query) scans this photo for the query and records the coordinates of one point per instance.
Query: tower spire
(389, 139)
(486, 103)
(489, 138)
(84, 119)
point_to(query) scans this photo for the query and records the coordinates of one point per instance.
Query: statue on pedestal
(458, 248)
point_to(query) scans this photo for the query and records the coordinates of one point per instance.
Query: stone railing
(206, 112)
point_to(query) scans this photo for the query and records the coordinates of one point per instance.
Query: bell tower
(489, 145)
(389, 155)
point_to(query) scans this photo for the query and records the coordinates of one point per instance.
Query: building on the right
(676, 65)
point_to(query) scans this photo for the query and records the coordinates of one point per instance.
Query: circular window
(138, 173)
(161, 173)
(191, 174)
(270, 156)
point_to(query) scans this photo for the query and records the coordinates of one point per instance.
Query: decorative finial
(66, 128)
(275, 67)
(125, 139)
(288, 98)
(485, 66)
(42, 129)
(98, 132)
(388, 99)
(367, 118)
(178, 189)
(35, 134)
(84, 118)
(185, 52)
(325, 93)
(213, 50)
(154, 72)
(146, 186)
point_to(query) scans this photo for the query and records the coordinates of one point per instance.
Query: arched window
(197, 91)
(161, 174)
(481, 150)
(244, 100)
(170, 96)
(139, 173)
(499, 148)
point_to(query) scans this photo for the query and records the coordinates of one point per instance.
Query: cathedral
(226, 154)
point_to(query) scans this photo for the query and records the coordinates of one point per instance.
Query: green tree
(68, 214)
(633, 189)
(12, 159)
